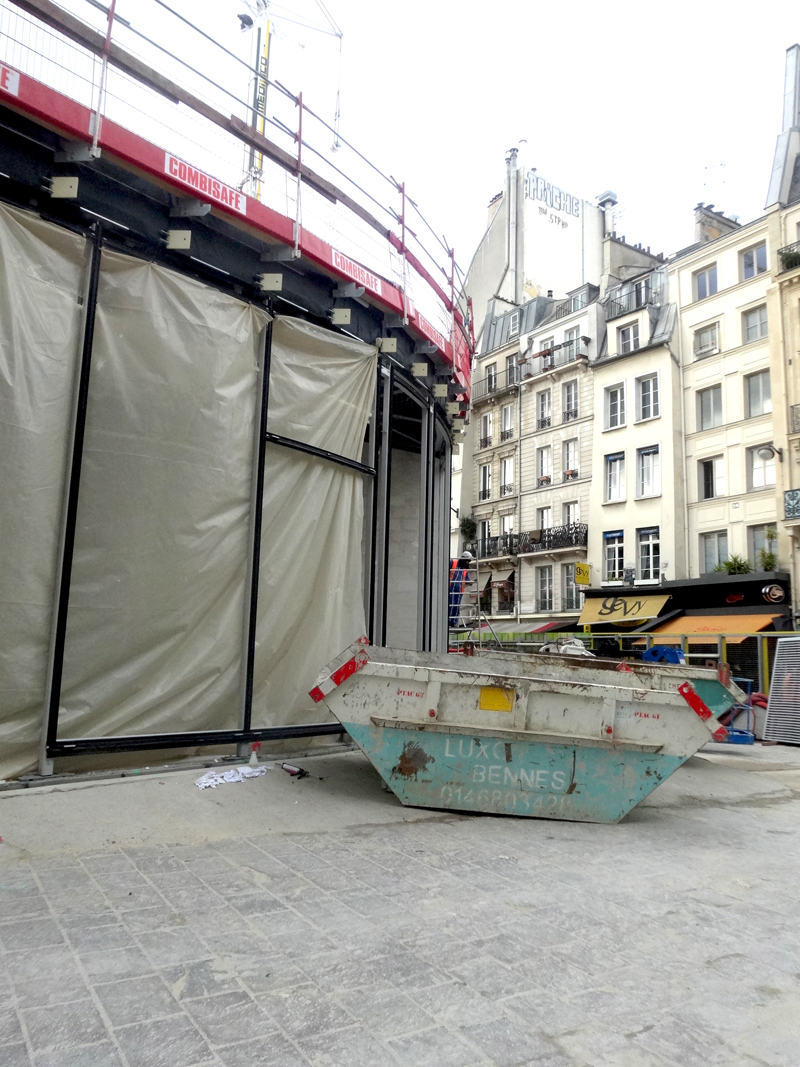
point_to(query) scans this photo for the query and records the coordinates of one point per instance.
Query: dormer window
(513, 325)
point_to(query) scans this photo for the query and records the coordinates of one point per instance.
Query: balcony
(484, 494)
(496, 383)
(570, 476)
(505, 607)
(544, 603)
(574, 535)
(639, 297)
(791, 505)
(543, 424)
(789, 256)
(569, 414)
(485, 442)
(543, 479)
(507, 489)
(555, 357)
(494, 547)
(506, 435)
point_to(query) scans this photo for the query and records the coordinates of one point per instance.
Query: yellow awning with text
(616, 609)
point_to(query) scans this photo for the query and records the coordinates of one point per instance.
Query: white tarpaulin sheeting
(42, 272)
(310, 602)
(157, 600)
(156, 611)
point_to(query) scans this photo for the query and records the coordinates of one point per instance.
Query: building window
(505, 595)
(761, 541)
(506, 524)
(711, 478)
(709, 407)
(491, 378)
(570, 512)
(649, 553)
(614, 551)
(544, 588)
(570, 460)
(513, 324)
(570, 592)
(507, 476)
(648, 471)
(484, 529)
(547, 344)
(615, 406)
(628, 338)
(615, 477)
(569, 407)
(543, 410)
(485, 481)
(754, 324)
(713, 550)
(572, 340)
(544, 465)
(512, 370)
(757, 394)
(760, 469)
(705, 282)
(753, 261)
(578, 301)
(706, 341)
(647, 406)
(507, 422)
(544, 518)
(486, 430)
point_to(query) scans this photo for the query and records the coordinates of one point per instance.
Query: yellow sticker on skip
(493, 698)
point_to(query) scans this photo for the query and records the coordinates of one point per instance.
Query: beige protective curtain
(42, 271)
(155, 624)
(310, 602)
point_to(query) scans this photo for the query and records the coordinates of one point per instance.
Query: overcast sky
(664, 104)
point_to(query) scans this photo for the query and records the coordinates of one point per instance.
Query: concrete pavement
(273, 922)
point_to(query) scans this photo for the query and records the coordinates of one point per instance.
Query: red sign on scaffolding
(9, 80)
(204, 184)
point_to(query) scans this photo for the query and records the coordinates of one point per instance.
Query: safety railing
(638, 297)
(196, 87)
(573, 535)
(553, 358)
(495, 383)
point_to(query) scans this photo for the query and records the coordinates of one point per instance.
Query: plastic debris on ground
(236, 774)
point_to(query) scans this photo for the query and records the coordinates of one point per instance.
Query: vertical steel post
(69, 517)
(380, 520)
(296, 251)
(254, 534)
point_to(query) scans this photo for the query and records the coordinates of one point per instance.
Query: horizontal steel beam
(142, 742)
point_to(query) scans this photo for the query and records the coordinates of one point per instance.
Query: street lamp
(768, 452)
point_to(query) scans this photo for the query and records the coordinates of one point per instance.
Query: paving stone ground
(670, 940)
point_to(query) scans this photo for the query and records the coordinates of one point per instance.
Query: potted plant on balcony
(544, 479)
(469, 528)
(790, 257)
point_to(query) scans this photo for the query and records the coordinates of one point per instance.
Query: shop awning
(624, 608)
(501, 576)
(524, 629)
(734, 628)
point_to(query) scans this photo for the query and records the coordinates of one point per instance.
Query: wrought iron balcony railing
(496, 383)
(484, 494)
(573, 535)
(789, 256)
(544, 479)
(795, 420)
(571, 601)
(569, 414)
(640, 296)
(493, 547)
(791, 504)
(553, 358)
(505, 607)
(543, 424)
(485, 442)
(544, 603)
(569, 476)
(506, 435)
(507, 489)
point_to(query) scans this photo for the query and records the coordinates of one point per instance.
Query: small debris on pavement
(297, 772)
(236, 774)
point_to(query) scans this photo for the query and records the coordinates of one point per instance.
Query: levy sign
(538, 188)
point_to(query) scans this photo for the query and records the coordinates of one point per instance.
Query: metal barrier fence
(749, 656)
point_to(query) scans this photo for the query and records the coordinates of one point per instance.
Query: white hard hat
(466, 555)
